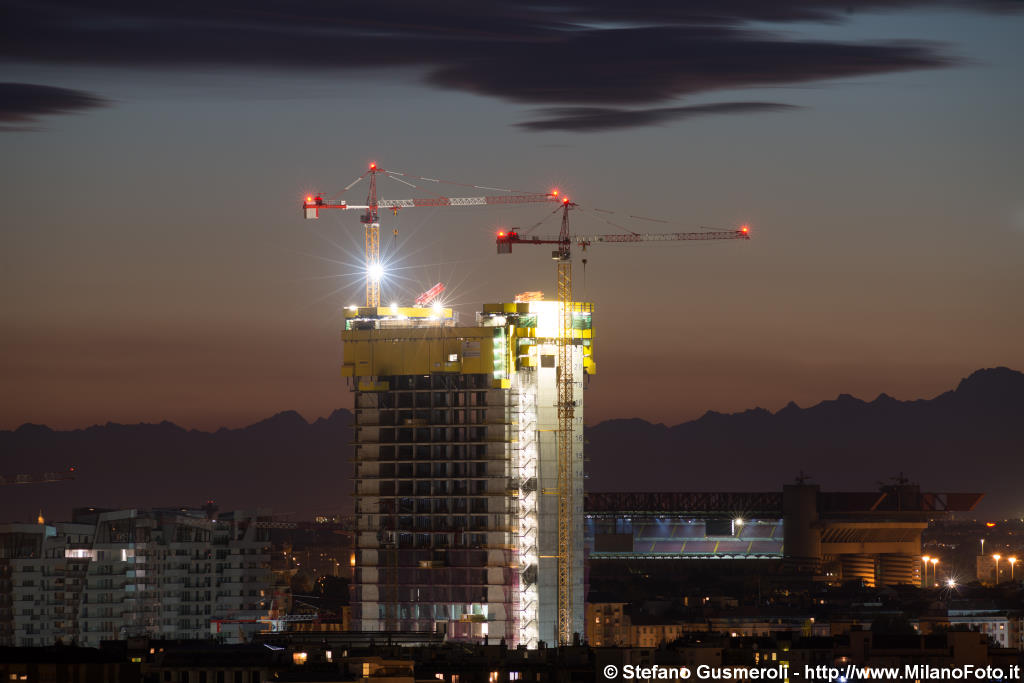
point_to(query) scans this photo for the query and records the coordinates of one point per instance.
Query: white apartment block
(114, 574)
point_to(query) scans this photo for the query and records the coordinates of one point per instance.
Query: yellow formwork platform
(498, 350)
(418, 351)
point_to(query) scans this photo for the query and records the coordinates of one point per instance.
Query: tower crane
(566, 403)
(38, 477)
(371, 219)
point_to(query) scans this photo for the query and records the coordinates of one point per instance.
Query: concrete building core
(456, 446)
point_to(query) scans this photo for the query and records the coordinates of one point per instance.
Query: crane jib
(464, 201)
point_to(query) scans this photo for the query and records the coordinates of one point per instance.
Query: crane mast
(371, 223)
(566, 416)
(566, 387)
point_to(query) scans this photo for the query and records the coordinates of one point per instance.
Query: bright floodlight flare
(436, 307)
(951, 583)
(375, 271)
(738, 521)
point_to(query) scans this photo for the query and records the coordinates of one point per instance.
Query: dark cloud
(589, 119)
(645, 65)
(604, 52)
(21, 104)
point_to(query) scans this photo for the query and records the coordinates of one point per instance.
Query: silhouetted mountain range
(968, 439)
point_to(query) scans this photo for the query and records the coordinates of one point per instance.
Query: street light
(1012, 561)
(997, 557)
(924, 580)
(935, 561)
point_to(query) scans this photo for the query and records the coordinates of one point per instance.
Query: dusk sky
(154, 263)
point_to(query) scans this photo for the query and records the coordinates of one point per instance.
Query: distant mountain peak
(284, 419)
(997, 380)
(32, 428)
(789, 409)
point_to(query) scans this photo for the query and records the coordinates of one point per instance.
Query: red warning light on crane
(501, 233)
(373, 165)
(554, 193)
(744, 229)
(309, 198)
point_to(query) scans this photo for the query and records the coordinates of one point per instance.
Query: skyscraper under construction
(456, 468)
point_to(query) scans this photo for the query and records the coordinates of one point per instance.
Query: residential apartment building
(114, 574)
